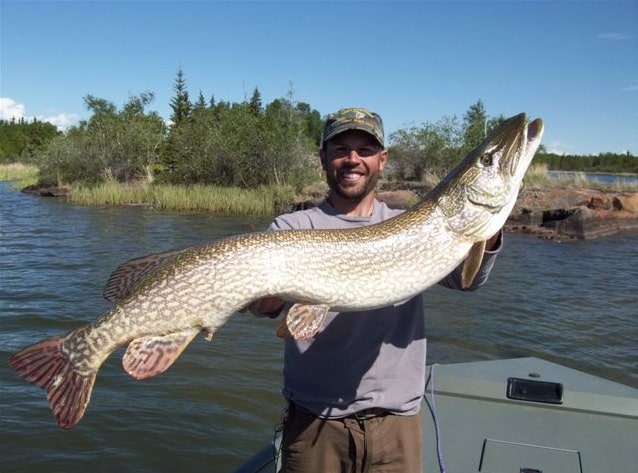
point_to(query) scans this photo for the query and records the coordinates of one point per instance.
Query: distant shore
(554, 213)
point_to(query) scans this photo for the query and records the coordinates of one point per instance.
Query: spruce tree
(201, 102)
(255, 102)
(475, 125)
(180, 104)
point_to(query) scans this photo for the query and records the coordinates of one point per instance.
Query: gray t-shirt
(360, 360)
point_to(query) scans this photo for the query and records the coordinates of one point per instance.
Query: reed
(538, 177)
(23, 175)
(264, 200)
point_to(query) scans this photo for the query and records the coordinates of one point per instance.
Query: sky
(572, 63)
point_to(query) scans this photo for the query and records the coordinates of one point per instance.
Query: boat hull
(523, 414)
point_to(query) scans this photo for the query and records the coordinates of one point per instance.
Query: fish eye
(487, 159)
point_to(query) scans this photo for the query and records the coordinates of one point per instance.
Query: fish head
(482, 190)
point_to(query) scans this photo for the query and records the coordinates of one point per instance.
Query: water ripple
(570, 303)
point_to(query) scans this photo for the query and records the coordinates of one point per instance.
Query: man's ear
(383, 159)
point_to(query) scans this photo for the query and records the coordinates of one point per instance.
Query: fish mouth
(534, 130)
(522, 149)
(532, 140)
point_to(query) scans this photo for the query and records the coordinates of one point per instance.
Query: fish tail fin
(46, 365)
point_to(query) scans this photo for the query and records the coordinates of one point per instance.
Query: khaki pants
(384, 444)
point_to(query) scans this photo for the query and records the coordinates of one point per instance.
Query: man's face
(353, 161)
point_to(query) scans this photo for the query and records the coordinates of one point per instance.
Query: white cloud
(556, 147)
(61, 120)
(12, 110)
(631, 88)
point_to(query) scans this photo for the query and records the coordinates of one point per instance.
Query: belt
(367, 414)
(362, 415)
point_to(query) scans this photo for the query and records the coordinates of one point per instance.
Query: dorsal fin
(124, 279)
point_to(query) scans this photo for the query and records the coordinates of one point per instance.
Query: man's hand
(268, 306)
(494, 242)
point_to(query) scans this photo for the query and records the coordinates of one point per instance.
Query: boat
(521, 415)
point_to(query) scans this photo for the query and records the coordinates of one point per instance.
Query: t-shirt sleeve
(453, 280)
(281, 223)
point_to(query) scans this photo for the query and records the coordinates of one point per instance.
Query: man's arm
(492, 248)
(495, 243)
(265, 307)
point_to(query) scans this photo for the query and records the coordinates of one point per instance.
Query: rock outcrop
(568, 214)
(46, 191)
(559, 214)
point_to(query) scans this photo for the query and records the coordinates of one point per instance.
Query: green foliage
(603, 162)
(312, 123)
(180, 104)
(239, 145)
(242, 144)
(433, 148)
(201, 102)
(430, 149)
(255, 103)
(474, 126)
(19, 140)
(119, 145)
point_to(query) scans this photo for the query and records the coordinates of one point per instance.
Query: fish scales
(162, 301)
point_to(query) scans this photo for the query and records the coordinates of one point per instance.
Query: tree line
(19, 139)
(244, 144)
(603, 162)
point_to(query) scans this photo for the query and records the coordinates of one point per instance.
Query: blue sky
(573, 63)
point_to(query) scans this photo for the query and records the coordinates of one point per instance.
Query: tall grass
(265, 200)
(537, 177)
(23, 175)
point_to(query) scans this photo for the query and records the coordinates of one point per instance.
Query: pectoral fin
(302, 321)
(149, 356)
(472, 264)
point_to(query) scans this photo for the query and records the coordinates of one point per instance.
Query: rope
(278, 432)
(435, 419)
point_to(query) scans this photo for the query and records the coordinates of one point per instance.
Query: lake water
(572, 303)
(605, 178)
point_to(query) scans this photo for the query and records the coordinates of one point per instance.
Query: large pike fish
(161, 302)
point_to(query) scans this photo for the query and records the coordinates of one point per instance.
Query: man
(354, 390)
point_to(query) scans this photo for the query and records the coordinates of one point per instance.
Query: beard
(355, 191)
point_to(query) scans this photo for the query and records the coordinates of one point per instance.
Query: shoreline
(556, 214)
(559, 214)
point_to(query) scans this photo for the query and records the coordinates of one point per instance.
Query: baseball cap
(352, 119)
